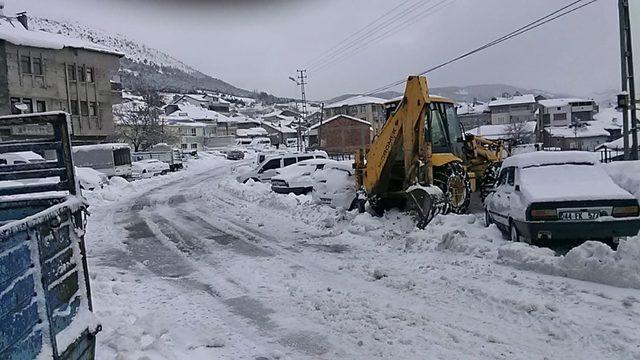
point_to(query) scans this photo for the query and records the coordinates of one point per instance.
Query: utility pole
(628, 84)
(301, 81)
(320, 126)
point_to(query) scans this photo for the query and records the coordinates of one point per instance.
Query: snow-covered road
(197, 266)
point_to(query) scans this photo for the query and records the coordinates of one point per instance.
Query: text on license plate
(579, 215)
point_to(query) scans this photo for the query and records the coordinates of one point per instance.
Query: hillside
(466, 93)
(142, 66)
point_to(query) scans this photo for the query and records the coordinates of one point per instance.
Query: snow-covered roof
(258, 131)
(281, 128)
(585, 131)
(515, 100)
(549, 103)
(542, 158)
(11, 30)
(113, 146)
(472, 109)
(357, 100)
(496, 132)
(337, 117)
(188, 112)
(196, 124)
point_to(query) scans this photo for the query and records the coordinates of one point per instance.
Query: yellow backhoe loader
(421, 159)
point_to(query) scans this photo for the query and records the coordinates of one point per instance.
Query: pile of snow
(591, 261)
(626, 174)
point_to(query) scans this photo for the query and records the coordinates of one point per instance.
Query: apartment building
(506, 110)
(41, 71)
(367, 108)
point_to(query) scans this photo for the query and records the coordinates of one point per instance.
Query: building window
(90, 77)
(37, 66)
(84, 108)
(183, 146)
(41, 106)
(71, 72)
(193, 132)
(74, 107)
(194, 146)
(14, 109)
(29, 104)
(81, 74)
(93, 109)
(560, 117)
(25, 64)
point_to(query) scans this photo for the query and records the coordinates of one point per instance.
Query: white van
(267, 168)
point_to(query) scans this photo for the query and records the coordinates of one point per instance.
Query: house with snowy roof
(367, 108)
(603, 128)
(199, 127)
(513, 109)
(341, 134)
(208, 101)
(564, 112)
(41, 71)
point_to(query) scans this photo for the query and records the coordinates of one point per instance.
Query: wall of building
(89, 102)
(582, 144)
(506, 114)
(373, 113)
(342, 136)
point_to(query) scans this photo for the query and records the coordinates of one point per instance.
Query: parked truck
(45, 296)
(164, 153)
(109, 159)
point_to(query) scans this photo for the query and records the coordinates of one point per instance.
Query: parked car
(21, 157)
(297, 178)
(235, 155)
(554, 196)
(148, 168)
(268, 168)
(90, 179)
(334, 185)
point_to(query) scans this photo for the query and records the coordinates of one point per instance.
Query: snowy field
(194, 265)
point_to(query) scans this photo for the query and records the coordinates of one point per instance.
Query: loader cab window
(439, 138)
(455, 130)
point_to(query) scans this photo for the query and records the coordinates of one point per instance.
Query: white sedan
(553, 196)
(335, 186)
(91, 179)
(148, 168)
(297, 178)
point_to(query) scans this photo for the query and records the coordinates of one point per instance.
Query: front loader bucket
(427, 201)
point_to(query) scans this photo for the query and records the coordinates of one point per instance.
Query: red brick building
(341, 134)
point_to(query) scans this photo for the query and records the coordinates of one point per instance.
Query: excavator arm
(399, 159)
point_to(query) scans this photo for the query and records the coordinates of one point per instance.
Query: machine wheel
(488, 179)
(454, 182)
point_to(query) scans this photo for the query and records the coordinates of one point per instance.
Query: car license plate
(579, 215)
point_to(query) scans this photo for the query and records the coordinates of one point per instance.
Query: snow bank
(626, 174)
(591, 261)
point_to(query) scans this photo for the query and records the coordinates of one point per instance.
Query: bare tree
(518, 132)
(139, 124)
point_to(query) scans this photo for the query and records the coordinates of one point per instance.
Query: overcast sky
(258, 44)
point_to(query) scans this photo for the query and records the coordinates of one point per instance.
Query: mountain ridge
(142, 66)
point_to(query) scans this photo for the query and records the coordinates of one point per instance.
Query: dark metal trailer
(45, 297)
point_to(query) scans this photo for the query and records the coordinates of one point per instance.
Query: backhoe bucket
(427, 201)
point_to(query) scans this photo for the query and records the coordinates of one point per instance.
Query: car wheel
(514, 234)
(487, 218)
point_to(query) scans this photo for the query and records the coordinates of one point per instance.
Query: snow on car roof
(569, 182)
(544, 158)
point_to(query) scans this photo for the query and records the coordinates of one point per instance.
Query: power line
(372, 32)
(387, 13)
(522, 30)
(401, 26)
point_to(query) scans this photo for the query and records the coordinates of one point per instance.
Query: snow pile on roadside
(626, 174)
(591, 261)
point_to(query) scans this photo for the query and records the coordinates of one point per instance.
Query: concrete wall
(344, 136)
(58, 91)
(506, 114)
